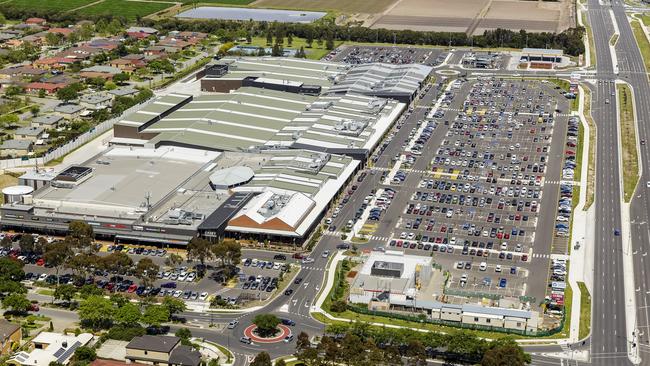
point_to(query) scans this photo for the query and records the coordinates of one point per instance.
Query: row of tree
(98, 312)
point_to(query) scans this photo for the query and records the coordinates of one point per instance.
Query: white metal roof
(17, 190)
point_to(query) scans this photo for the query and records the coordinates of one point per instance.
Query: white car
(497, 268)
(178, 293)
(203, 296)
(483, 266)
(191, 277)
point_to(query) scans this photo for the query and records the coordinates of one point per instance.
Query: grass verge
(590, 39)
(591, 169)
(585, 311)
(642, 42)
(223, 350)
(613, 40)
(316, 52)
(628, 140)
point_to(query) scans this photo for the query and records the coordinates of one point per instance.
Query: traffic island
(256, 336)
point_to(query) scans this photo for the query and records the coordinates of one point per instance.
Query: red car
(524, 257)
(40, 262)
(132, 288)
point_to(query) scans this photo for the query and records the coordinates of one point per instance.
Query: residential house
(96, 101)
(100, 71)
(37, 21)
(128, 65)
(155, 51)
(125, 91)
(21, 72)
(47, 121)
(16, 147)
(69, 111)
(28, 133)
(50, 347)
(10, 335)
(49, 88)
(173, 45)
(161, 350)
(141, 32)
(104, 44)
(62, 31)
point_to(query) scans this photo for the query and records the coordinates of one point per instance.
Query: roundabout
(284, 331)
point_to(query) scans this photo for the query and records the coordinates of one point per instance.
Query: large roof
(284, 68)
(379, 78)
(154, 109)
(232, 176)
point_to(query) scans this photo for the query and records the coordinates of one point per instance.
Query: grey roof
(185, 356)
(29, 131)
(125, 90)
(49, 119)
(16, 145)
(68, 108)
(102, 68)
(378, 78)
(7, 329)
(154, 343)
(95, 98)
(141, 29)
(232, 176)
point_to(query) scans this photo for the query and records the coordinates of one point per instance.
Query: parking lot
(479, 187)
(387, 54)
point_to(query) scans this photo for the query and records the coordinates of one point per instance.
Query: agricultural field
(345, 6)
(225, 2)
(126, 8)
(50, 5)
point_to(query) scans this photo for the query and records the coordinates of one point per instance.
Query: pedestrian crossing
(538, 255)
(379, 238)
(556, 182)
(308, 268)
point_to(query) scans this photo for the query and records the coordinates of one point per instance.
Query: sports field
(52, 5)
(345, 6)
(125, 8)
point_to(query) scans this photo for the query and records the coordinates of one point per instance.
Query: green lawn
(585, 311)
(314, 53)
(642, 41)
(628, 139)
(127, 9)
(52, 5)
(645, 18)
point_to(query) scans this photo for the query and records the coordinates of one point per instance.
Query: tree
(121, 78)
(155, 315)
(289, 39)
(9, 119)
(67, 94)
(116, 262)
(96, 312)
(18, 303)
(302, 342)
(200, 249)
(183, 333)
(26, 243)
(11, 273)
(147, 271)
(128, 314)
(161, 66)
(57, 253)
(280, 362)
(109, 85)
(266, 324)
(13, 90)
(416, 353)
(34, 110)
(6, 243)
(82, 263)
(53, 39)
(64, 292)
(89, 290)
(262, 359)
(84, 355)
(269, 38)
(82, 236)
(173, 260)
(505, 352)
(173, 305)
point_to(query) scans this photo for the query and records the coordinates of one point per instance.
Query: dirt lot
(474, 16)
(345, 6)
